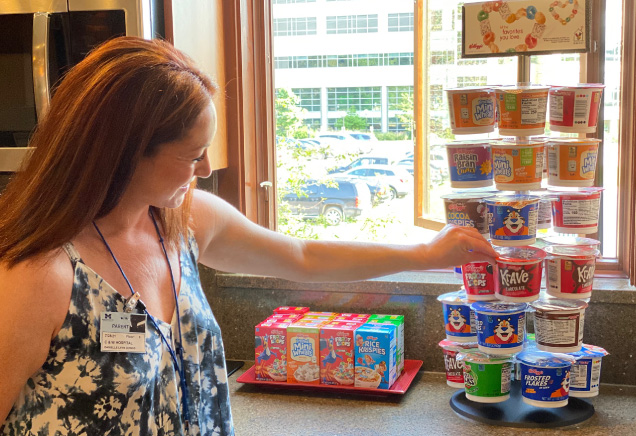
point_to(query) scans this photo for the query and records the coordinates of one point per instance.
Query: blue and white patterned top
(83, 391)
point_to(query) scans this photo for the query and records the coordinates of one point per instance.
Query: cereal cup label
(559, 332)
(572, 162)
(576, 212)
(521, 281)
(459, 322)
(570, 276)
(454, 369)
(375, 356)
(518, 167)
(487, 382)
(466, 211)
(575, 109)
(478, 280)
(522, 110)
(513, 222)
(544, 385)
(470, 165)
(472, 110)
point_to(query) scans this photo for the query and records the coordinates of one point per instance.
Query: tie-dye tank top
(82, 391)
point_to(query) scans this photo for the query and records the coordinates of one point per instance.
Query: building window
(295, 26)
(342, 99)
(402, 22)
(309, 98)
(344, 60)
(443, 57)
(396, 96)
(436, 97)
(464, 81)
(352, 24)
(436, 20)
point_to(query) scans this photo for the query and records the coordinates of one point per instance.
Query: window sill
(606, 290)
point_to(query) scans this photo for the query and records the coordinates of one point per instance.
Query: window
(436, 20)
(309, 98)
(295, 26)
(352, 24)
(401, 22)
(359, 98)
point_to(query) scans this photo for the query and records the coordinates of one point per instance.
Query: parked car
(379, 189)
(343, 199)
(407, 164)
(344, 142)
(399, 180)
(364, 160)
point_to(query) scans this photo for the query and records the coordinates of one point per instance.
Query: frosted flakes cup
(574, 109)
(513, 219)
(467, 210)
(486, 378)
(518, 164)
(570, 271)
(470, 164)
(585, 375)
(500, 325)
(572, 161)
(518, 273)
(471, 110)
(459, 319)
(558, 324)
(454, 369)
(576, 212)
(478, 281)
(545, 378)
(522, 110)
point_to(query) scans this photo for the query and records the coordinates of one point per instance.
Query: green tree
(406, 117)
(352, 121)
(288, 113)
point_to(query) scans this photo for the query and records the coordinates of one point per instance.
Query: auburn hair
(118, 105)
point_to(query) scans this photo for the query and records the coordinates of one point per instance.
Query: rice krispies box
(303, 352)
(337, 353)
(375, 354)
(271, 351)
(397, 320)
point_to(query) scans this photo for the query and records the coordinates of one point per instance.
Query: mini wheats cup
(570, 271)
(572, 161)
(478, 281)
(472, 110)
(522, 110)
(501, 326)
(545, 378)
(513, 219)
(486, 377)
(518, 273)
(518, 164)
(459, 318)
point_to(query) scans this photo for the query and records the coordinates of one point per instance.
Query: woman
(106, 209)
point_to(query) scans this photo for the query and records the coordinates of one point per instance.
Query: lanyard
(178, 363)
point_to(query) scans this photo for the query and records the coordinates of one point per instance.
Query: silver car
(399, 180)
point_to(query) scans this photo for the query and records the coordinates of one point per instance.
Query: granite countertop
(423, 410)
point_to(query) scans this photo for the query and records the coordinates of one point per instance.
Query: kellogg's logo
(475, 46)
(456, 206)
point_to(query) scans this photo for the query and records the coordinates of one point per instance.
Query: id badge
(123, 332)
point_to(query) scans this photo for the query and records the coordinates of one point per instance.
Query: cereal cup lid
(558, 305)
(476, 356)
(525, 254)
(485, 143)
(578, 85)
(456, 346)
(589, 351)
(468, 196)
(572, 251)
(571, 141)
(545, 359)
(453, 297)
(471, 88)
(517, 89)
(582, 192)
(516, 201)
(518, 142)
(572, 240)
(498, 307)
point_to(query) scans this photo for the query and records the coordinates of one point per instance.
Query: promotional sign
(514, 27)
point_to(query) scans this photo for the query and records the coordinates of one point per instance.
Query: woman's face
(164, 179)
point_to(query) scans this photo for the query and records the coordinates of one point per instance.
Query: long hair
(120, 104)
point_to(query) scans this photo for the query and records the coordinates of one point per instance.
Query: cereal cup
(518, 165)
(500, 326)
(478, 281)
(586, 371)
(513, 219)
(518, 273)
(570, 271)
(572, 161)
(470, 164)
(486, 378)
(544, 216)
(558, 324)
(459, 319)
(454, 369)
(545, 378)
(467, 210)
(472, 110)
(572, 240)
(522, 110)
(574, 109)
(576, 212)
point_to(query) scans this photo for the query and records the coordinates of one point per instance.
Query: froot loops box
(271, 351)
(291, 309)
(375, 356)
(337, 353)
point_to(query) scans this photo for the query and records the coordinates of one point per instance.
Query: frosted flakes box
(337, 353)
(375, 352)
(271, 351)
(291, 309)
(398, 321)
(303, 352)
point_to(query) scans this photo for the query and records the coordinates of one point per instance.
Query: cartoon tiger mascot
(565, 387)
(504, 333)
(513, 225)
(457, 322)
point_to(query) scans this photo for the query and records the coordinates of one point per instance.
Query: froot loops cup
(467, 210)
(522, 110)
(518, 165)
(570, 270)
(454, 369)
(472, 110)
(585, 375)
(470, 164)
(486, 378)
(572, 161)
(574, 109)
(513, 219)
(459, 319)
(478, 281)
(501, 326)
(545, 378)
(558, 324)
(576, 212)
(518, 273)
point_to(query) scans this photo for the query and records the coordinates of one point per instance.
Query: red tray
(411, 367)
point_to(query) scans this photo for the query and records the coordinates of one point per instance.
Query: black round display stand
(515, 413)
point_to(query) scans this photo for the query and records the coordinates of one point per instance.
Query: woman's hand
(454, 246)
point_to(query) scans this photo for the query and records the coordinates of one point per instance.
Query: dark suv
(334, 200)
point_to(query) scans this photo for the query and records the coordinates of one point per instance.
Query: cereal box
(337, 353)
(319, 315)
(375, 365)
(303, 352)
(397, 320)
(352, 317)
(271, 351)
(291, 309)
